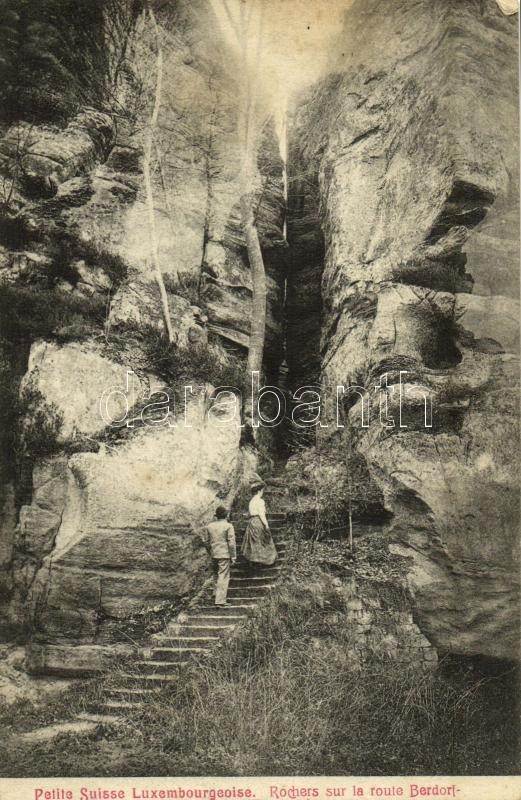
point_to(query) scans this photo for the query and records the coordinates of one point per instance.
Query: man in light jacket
(219, 537)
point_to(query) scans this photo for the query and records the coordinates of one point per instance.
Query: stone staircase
(197, 630)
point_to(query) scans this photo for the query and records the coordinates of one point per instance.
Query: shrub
(63, 248)
(8, 412)
(29, 430)
(328, 482)
(66, 248)
(39, 424)
(16, 233)
(186, 285)
(55, 56)
(61, 268)
(28, 313)
(202, 362)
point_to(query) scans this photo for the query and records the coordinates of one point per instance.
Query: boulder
(51, 157)
(73, 377)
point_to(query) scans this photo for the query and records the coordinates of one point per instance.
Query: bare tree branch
(149, 142)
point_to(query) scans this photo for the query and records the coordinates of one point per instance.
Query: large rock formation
(112, 537)
(404, 258)
(413, 140)
(108, 519)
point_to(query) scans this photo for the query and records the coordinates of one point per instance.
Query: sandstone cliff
(101, 525)
(412, 143)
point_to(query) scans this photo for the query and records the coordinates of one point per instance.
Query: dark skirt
(258, 545)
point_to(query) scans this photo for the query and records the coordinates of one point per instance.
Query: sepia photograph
(259, 407)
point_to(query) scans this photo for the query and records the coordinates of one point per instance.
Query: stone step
(247, 584)
(227, 619)
(267, 573)
(130, 693)
(153, 667)
(236, 593)
(210, 622)
(183, 639)
(252, 580)
(188, 632)
(240, 598)
(148, 667)
(95, 716)
(281, 548)
(237, 609)
(117, 706)
(238, 602)
(259, 590)
(152, 679)
(175, 655)
(246, 570)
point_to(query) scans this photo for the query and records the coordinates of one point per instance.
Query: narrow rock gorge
(399, 256)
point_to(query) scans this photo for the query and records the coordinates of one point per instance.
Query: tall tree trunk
(258, 277)
(149, 143)
(349, 465)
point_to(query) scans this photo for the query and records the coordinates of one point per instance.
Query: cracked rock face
(412, 140)
(111, 538)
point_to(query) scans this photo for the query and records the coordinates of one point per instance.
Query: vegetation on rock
(56, 58)
(328, 488)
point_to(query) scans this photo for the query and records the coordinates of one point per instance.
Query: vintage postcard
(259, 364)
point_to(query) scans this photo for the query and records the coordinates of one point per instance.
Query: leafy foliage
(39, 423)
(29, 428)
(8, 411)
(186, 286)
(327, 482)
(66, 248)
(63, 248)
(15, 232)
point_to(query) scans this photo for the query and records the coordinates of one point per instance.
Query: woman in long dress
(258, 546)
